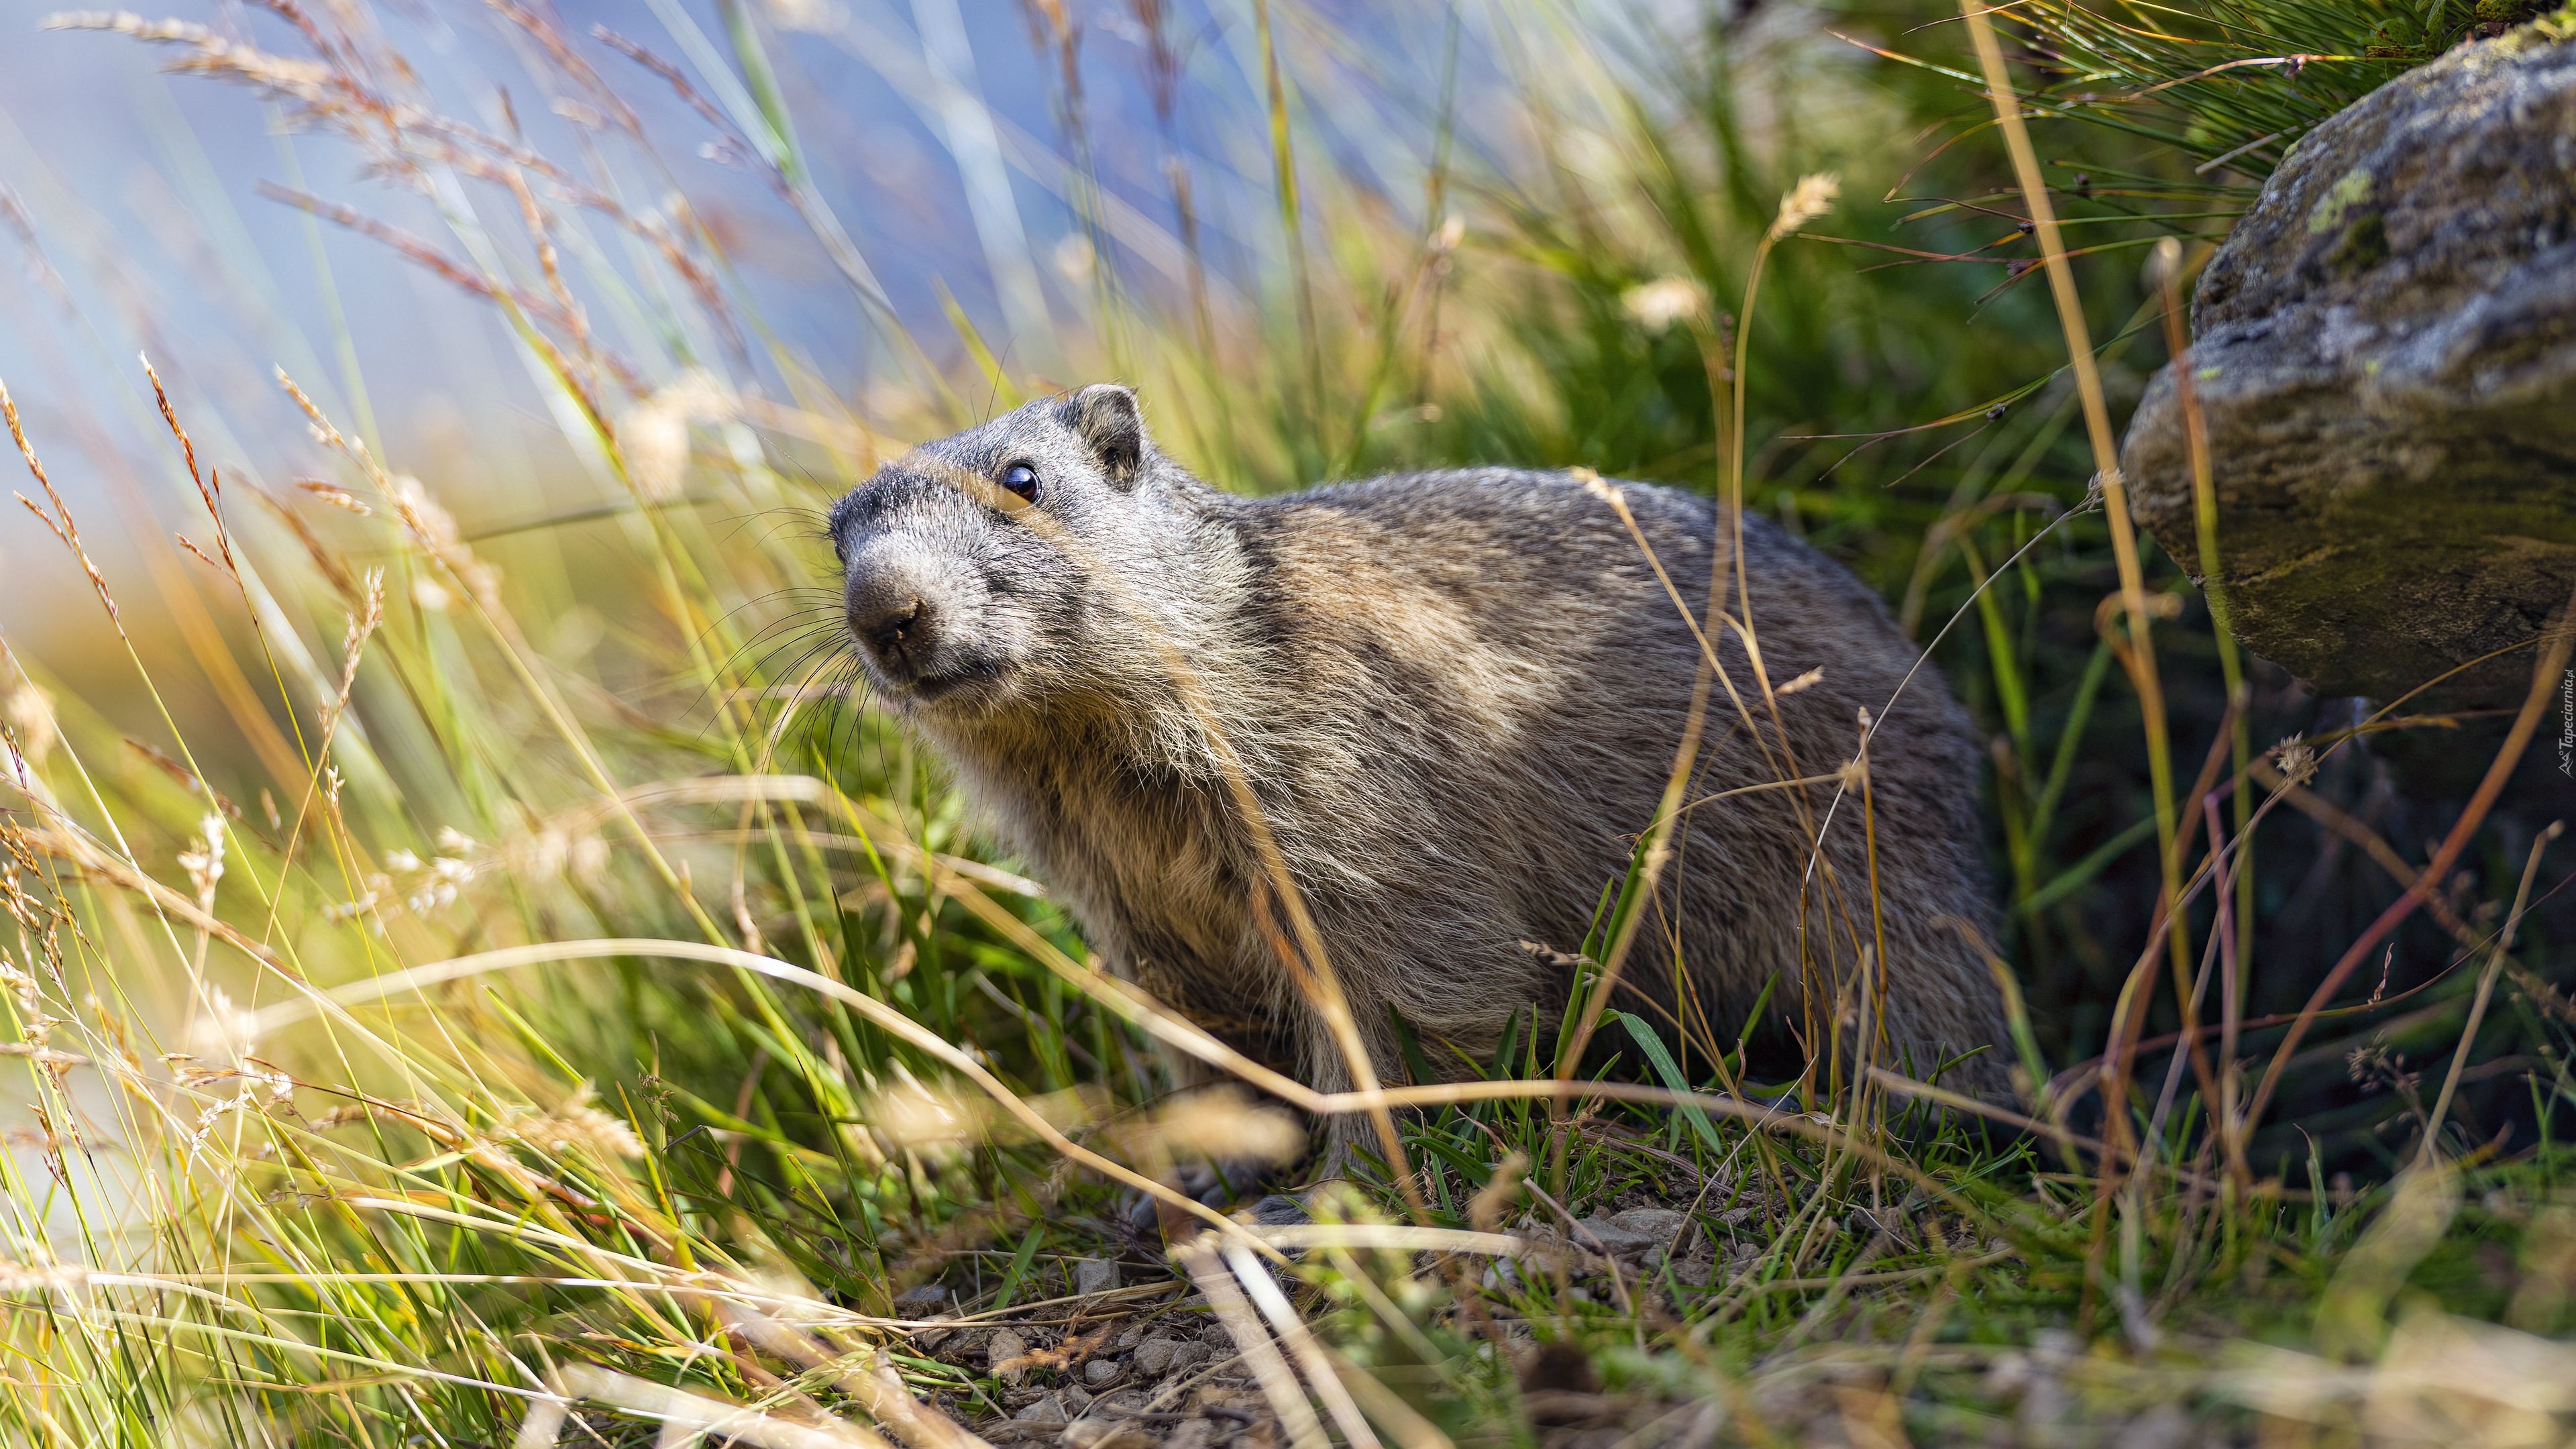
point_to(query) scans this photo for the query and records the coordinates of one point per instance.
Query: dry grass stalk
(2137, 651)
(2429, 1152)
(1207, 1268)
(1263, 1290)
(692, 1415)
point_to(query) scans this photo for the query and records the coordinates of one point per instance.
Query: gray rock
(1606, 1235)
(933, 1337)
(1103, 1434)
(1099, 1372)
(921, 1301)
(1049, 1409)
(2165, 1426)
(1094, 1275)
(1660, 1224)
(2385, 357)
(2007, 1374)
(1154, 1355)
(1000, 1352)
(2055, 1348)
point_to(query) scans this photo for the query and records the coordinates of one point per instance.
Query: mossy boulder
(2385, 355)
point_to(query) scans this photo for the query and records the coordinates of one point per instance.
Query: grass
(533, 1002)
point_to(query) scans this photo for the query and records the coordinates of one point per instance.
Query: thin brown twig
(2486, 989)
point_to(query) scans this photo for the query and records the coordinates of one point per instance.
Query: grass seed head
(30, 717)
(1658, 305)
(205, 863)
(654, 435)
(1485, 1210)
(1812, 197)
(922, 1118)
(2296, 759)
(579, 1126)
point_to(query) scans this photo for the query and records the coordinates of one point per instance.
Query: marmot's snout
(883, 601)
(904, 615)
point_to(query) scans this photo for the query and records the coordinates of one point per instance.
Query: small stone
(1103, 1434)
(1049, 1409)
(2165, 1426)
(1194, 1434)
(1094, 1275)
(2044, 1408)
(1077, 1398)
(1154, 1355)
(1603, 1235)
(1660, 1224)
(2055, 1347)
(1189, 1356)
(1004, 1353)
(1099, 1372)
(921, 1301)
(1134, 1335)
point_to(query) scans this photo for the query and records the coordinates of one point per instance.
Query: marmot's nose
(892, 619)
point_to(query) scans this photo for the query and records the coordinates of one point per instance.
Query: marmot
(1457, 697)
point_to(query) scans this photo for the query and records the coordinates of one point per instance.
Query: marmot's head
(1017, 560)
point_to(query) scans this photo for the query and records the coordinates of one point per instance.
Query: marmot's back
(1520, 677)
(1457, 697)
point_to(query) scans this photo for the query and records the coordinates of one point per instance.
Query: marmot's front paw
(1279, 1210)
(1217, 1185)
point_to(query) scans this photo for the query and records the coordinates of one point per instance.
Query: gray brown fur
(1457, 697)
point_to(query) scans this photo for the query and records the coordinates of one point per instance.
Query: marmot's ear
(1106, 417)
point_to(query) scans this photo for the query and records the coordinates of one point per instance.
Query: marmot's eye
(1022, 480)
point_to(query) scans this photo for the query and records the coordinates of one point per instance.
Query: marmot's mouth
(931, 688)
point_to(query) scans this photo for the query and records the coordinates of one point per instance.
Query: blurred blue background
(142, 212)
